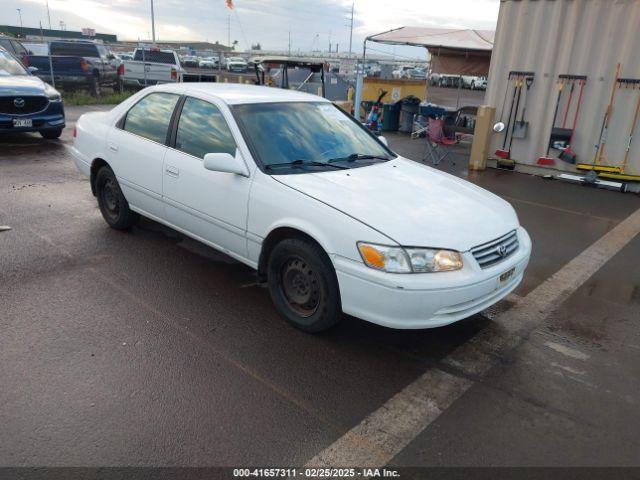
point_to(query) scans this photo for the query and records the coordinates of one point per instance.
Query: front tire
(113, 206)
(51, 134)
(303, 285)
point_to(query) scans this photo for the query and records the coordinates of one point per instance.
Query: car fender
(274, 205)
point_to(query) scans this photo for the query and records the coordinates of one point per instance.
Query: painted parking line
(388, 430)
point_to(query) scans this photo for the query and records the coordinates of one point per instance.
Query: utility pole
(289, 42)
(351, 30)
(153, 25)
(20, 17)
(48, 14)
(229, 30)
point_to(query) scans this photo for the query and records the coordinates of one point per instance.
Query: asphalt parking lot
(146, 348)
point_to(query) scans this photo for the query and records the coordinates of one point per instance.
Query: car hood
(21, 85)
(412, 204)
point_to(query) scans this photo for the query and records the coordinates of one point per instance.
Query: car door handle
(113, 148)
(172, 171)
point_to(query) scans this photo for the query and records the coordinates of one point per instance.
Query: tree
(233, 45)
(257, 46)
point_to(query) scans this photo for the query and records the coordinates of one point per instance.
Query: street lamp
(153, 25)
(20, 17)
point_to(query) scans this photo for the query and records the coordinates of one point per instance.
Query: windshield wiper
(302, 163)
(358, 156)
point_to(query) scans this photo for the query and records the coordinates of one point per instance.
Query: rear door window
(74, 49)
(150, 117)
(6, 44)
(155, 56)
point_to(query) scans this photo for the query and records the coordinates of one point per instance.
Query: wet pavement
(147, 348)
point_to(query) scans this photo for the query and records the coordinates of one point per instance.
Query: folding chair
(435, 148)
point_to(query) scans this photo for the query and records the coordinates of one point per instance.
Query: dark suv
(27, 104)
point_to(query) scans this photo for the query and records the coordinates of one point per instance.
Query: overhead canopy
(455, 52)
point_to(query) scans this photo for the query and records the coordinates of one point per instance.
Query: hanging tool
(520, 128)
(568, 107)
(599, 156)
(507, 162)
(622, 175)
(568, 154)
(504, 100)
(547, 160)
(560, 136)
(633, 127)
(504, 153)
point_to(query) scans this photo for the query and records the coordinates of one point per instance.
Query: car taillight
(84, 65)
(25, 60)
(174, 73)
(75, 132)
(121, 69)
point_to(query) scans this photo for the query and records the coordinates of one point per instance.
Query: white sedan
(290, 185)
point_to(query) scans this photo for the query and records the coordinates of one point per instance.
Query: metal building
(576, 37)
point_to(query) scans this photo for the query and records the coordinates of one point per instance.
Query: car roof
(238, 94)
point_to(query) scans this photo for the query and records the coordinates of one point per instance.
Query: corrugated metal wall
(581, 37)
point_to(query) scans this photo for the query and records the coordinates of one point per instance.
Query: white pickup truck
(151, 66)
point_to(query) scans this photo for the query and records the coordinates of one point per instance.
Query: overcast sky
(313, 24)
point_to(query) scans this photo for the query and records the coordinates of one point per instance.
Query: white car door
(210, 205)
(136, 149)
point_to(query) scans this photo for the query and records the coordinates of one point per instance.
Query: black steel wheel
(303, 285)
(113, 206)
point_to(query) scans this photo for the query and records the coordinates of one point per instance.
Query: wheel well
(97, 164)
(275, 237)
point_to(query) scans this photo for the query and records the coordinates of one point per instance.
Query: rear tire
(303, 285)
(51, 134)
(113, 206)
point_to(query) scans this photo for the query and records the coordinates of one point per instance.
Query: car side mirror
(225, 162)
(383, 140)
(32, 69)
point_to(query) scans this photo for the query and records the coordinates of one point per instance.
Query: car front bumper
(412, 301)
(50, 119)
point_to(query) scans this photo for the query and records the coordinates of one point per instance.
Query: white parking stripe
(388, 430)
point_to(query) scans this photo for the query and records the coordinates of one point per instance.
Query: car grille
(30, 104)
(495, 251)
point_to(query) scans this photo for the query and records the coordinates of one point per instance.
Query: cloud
(313, 24)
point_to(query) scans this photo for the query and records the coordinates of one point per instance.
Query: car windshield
(10, 66)
(316, 134)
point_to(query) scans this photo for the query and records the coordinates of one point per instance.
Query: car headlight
(409, 260)
(52, 93)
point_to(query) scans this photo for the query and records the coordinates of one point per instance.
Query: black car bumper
(52, 118)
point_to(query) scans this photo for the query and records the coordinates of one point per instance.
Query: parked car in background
(237, 64)
(416, 74)
(208, 62)
(294, 187)
(190, 61)
(27, 104)
(479, 83)
(150, 66)
(402, 71)
(77, 64)
(13, 46)
(121, 57)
